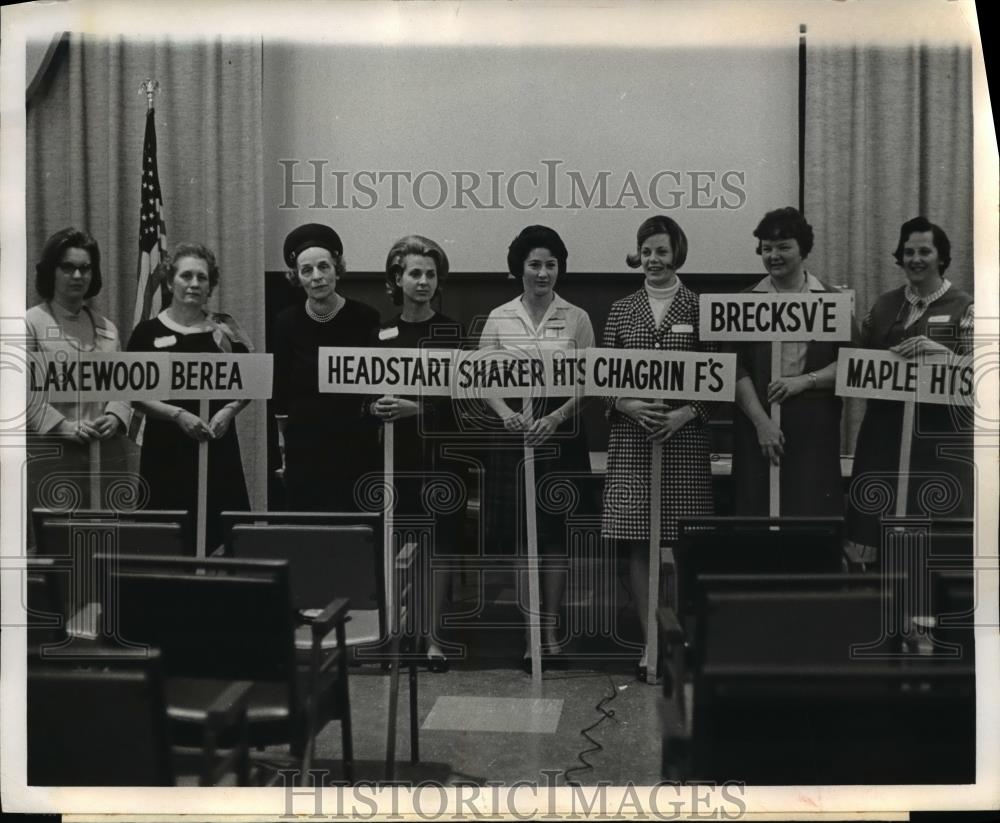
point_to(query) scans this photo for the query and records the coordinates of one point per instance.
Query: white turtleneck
(660, 299)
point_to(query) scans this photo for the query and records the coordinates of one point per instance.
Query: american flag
(152, 230)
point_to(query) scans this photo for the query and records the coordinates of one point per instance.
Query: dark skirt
(941, 468)
(562, 487)
(169, 466)
(331, 467)
(811, 483)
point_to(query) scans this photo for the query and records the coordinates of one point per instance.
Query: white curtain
(888, 136)
(85, 125)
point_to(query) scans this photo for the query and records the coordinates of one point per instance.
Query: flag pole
(531, 527)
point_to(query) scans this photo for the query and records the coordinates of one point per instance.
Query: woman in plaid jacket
(663, 314)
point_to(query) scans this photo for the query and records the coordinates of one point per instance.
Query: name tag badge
(682, 328)
(388, 334)
(555, 331)
(939, 318)
(163, 342)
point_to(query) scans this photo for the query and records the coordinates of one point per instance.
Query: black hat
(311, 235)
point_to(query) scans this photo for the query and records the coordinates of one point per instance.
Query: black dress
(941, 457)
(428, 482)
(329, 447)
(169, 460)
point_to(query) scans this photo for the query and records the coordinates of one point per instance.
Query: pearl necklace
(322, 318)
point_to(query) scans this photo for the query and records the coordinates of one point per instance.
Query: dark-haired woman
(662, 315)
(538, 318)
(69, 274)
(926, 316)
(169, 461)
(807, 444)
(415, 269)
(328, 446)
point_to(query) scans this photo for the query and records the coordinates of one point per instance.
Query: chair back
(212, 618)
(104, 724)
(179, 516)
(45, 602)
(754, 545)
(326, 561)
(780, 698)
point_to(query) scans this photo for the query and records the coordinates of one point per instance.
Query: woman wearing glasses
(66, 277)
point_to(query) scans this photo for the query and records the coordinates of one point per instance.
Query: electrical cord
(606, 714)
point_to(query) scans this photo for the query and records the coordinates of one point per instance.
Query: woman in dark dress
(169, 460)
(663, 314)
(327, 446)
(807, 445)
(925, 317)
(427, 483)
(537, 318)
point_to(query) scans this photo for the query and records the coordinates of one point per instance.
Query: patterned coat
(687, 474)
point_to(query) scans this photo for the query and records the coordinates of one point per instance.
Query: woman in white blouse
(60, 434)
(538, 318)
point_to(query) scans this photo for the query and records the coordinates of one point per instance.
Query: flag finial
(149, 88)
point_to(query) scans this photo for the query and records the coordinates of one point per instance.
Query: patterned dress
(687, 473)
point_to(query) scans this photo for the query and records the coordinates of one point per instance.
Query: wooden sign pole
(775, 471)
(905, 444)
(202, 516)
(655, 520)
(388, 559)
(95, 474)
(531, 526)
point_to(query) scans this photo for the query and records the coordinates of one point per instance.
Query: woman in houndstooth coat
(661, 315)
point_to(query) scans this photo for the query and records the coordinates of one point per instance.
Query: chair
(182, 518)
(328, 561)
(105, 724)
(780, 697)
(45, 612)
(219, 620)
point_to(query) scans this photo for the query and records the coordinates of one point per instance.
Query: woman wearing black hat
(327, 446)
(537, 318)
(663, 314)
(427, 482)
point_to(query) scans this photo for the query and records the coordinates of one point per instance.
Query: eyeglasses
(69, 268)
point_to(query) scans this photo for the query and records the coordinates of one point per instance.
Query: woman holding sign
(807, 443)
(69, 274)
(663, 314)
(327, 446)
(425, 480)
(169, 461)
(926, 316)
(537, 319)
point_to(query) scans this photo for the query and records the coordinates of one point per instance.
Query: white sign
(668, 375)
(947, 381)
(762, 316)
(98, 376)
(876, 374)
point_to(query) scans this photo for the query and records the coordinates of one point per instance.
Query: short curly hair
(52, 254)
(535, 237)
(395, 262)
(168, 268)
(941, 241)
(785, 224)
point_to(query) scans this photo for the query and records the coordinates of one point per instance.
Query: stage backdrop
(469, 145)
